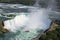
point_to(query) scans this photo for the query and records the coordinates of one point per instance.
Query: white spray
(37, 18)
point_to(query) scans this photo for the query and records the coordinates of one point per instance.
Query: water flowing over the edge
(33, 19)
(36, 21)
(28, 21)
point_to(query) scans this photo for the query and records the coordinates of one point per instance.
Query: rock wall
(2, 29)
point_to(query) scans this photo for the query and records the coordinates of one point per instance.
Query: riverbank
(53, 32)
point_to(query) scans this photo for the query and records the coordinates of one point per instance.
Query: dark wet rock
(57, 22)
(2, 29)
(5, 31)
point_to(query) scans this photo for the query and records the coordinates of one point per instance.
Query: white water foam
(15, 23)
(37, 18)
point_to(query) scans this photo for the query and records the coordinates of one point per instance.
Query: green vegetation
(52, 35)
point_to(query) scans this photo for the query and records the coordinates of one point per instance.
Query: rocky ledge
(2, 29)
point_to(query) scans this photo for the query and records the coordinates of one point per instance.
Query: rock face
(2, 30)
(57, 22)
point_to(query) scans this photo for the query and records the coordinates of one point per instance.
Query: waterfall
(36, 20)
(15, 23)
(27, 25)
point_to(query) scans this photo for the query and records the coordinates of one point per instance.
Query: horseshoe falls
(25, 22)
(26, 26)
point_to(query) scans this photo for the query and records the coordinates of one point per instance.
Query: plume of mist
(37, 18)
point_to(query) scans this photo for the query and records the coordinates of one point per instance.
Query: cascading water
(36, 20)
(26, 25)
